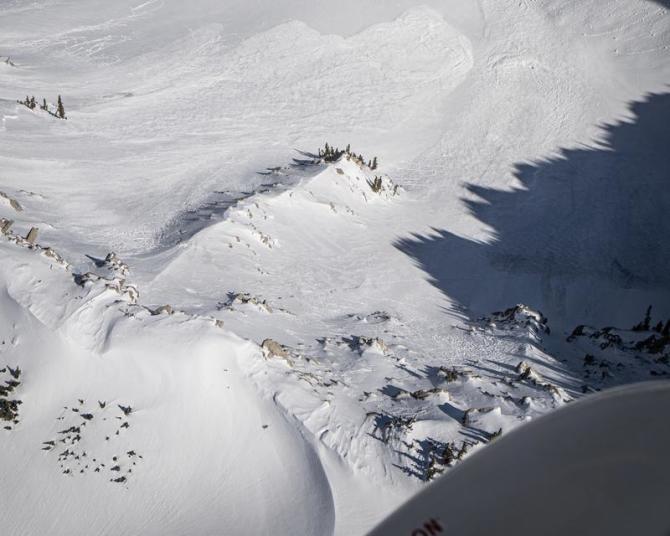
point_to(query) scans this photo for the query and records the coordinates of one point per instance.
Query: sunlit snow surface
(410, 325)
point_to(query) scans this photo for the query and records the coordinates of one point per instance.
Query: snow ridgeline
(346, 186)
(110, 283)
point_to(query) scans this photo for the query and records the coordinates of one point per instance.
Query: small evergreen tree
(348, 148)
(666, 329)
(645, 324)
(462, 451)
(647, 319)
(659, 327)
(33, 104)
(374, 163)
(60, 111)
(44, 104)
(448, 456)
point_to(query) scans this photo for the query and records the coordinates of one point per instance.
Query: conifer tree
(449, 455)
(60, 112)
(647, 319)
(462, 451)
(44, 104)
(374, 163)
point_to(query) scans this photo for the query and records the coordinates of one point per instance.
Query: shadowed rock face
(588, 230)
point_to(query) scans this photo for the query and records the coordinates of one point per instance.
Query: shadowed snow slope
(297, 350)
(583, 236)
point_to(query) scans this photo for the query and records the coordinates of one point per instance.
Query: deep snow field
(284, 345)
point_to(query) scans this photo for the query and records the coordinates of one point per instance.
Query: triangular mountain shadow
(585, 239)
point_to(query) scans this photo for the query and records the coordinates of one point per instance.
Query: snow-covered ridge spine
(101, 293)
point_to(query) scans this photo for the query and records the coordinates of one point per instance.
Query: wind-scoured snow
(281, 344)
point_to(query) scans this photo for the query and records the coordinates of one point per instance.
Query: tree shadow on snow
(585, 238)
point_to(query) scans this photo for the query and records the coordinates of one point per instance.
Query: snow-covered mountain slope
(293, 345)
(167, 109)
(114, 398)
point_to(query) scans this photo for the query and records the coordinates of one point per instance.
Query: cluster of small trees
(332, 154)
(658, 341)
(441, 455)
(376, 184)
(32, 104)
(29, 102)
(645, 325)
